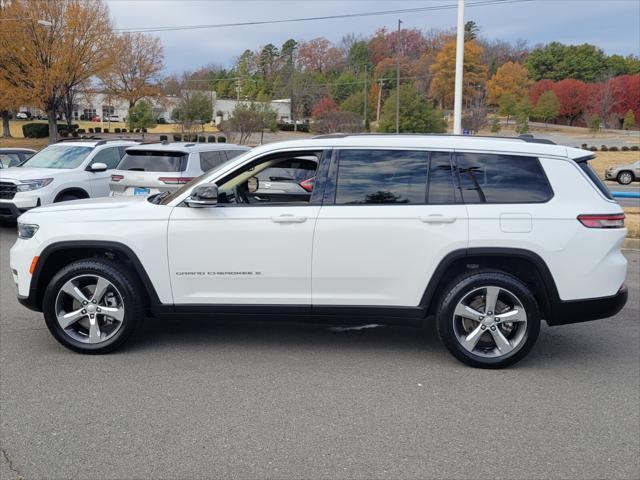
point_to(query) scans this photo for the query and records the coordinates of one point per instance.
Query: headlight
(27, 230)
(27, 185)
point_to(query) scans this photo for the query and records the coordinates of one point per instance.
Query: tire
(625, 178)
(514, 301)
(121, 298)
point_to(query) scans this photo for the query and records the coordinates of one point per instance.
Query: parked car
(164, 167)
(12, 157)
(60, 172)
(112, 118)
(624, 174)
(487, 236)
(22, 116)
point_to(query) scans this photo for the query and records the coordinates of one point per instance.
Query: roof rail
(189, 144)
(78, 139)
(121, 139)
(522, 138)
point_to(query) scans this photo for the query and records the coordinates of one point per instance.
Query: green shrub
(90, 129)
(124, 130)
(593, 149)
(106, 130)
(41, 130)
(81, 131)
(211, 138)
(603, 148)
(177, 138)
(117, 130)
(202, 139)
(75, 134)
(634, 148)
(222, 139)
(613, 149)
(98, 129)
(584, 146)
(64, 133)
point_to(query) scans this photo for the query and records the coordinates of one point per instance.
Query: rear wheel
(93, 306)
(625, 178)
(488, 319)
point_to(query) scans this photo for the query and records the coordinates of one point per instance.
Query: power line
(479, 3)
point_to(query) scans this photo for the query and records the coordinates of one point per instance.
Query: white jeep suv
(67, 170)
(488, 236)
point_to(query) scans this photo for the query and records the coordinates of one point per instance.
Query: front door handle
(437, 219)
(288, 218)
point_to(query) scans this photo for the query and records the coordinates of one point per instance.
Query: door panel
(377, 240)
(241, 254)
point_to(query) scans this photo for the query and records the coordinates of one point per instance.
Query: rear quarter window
(493, 178)
(583, 163)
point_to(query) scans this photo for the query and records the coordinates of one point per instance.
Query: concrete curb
(631, 243)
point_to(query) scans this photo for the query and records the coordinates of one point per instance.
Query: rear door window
(213, 159)
(293, 170)
(441, 188)
(153, 161)
(492, 178)
(381, 177)
(233, 153)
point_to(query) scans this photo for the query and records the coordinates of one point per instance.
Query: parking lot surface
(194, 399)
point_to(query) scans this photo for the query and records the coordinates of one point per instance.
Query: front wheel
(488, 319)
(625, 178)
(93, 306)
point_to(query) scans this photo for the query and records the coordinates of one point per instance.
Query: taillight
(308, 184)
(615, 220)
(116, 178)
(175, 180)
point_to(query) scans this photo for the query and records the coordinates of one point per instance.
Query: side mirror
(253, 184)
(203, 196)
(98, 167)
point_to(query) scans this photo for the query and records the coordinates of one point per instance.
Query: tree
(471, 30)
(556, 61)
(508, 105)
(522, 123)
(548, 107)
(248, 118)
(141, 116)
(495, 125)
(10, 100)
(629, 120)
(594, 125)
(337, 121)
(52, 60)
(475, 73)
(138, 61)
(416, 113)
(538, 89)
(326, 104)
(475, 117)
(509, 78)
(358, 57)
(626, 94)
(194, 108)
(573, 96)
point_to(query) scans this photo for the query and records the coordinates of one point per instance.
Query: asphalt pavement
(615, 187)
(202, 399)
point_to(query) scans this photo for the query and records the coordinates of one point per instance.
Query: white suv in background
(164, 167)
(67, 170)
(488, 236)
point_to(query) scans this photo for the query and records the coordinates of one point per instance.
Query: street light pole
(398, 79)
(457, 102)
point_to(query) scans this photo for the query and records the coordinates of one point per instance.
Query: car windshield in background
(58, 156)
(153, 161)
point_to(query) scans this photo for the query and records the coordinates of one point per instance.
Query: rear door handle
(438, 219)
(288, 218)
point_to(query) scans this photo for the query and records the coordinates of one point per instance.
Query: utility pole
(398, 79)
(457, 102)
(379, 101)
(365, 97)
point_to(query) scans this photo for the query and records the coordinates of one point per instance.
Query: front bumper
(609, 175)
(10, 211)
(576, 311)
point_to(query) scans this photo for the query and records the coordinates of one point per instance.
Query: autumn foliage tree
(137, 63)
(444, 70)
(573, 95)
(44, 62)
(510, 78)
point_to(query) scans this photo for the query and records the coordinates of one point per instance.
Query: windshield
(59, 156)
(150, 161)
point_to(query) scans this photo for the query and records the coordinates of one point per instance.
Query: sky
(613, 25)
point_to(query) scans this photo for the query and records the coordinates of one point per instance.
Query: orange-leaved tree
(510, 78)
(138, 61)
(444, 72)
(54, 46)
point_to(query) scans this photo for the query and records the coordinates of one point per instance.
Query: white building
(90, 105)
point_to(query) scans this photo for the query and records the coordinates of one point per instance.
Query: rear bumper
(576, 311)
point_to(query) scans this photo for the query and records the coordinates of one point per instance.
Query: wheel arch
(528, 266)
(78, 191)
(629, 171)
(57, 255)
